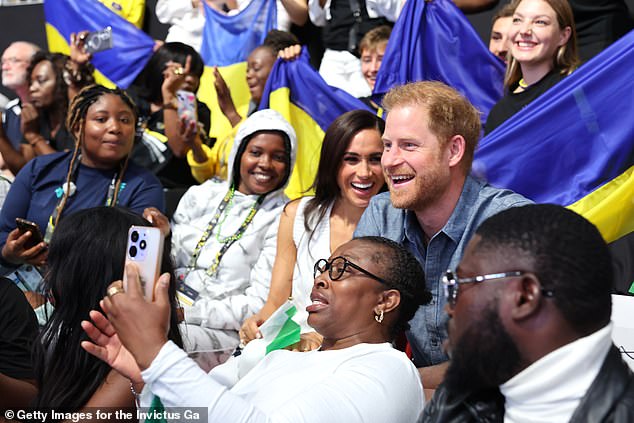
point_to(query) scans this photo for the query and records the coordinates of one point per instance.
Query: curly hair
(401, 271)
(568, 256)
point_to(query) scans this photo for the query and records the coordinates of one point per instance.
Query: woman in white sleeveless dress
(348, 176)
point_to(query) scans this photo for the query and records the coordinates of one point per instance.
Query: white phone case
(145, 249)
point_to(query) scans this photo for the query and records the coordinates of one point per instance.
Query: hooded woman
(224, 233)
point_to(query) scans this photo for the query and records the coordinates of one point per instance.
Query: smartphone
(99, 40)
(187, 105)
(26, 225)
(145, 249)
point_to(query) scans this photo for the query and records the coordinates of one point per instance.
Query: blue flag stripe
(574, 138)
(228, 39)
(131, 50)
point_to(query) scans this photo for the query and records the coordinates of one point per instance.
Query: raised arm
(297, 11)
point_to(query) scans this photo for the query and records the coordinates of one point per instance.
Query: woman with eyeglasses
(348, 176)
(361, 297)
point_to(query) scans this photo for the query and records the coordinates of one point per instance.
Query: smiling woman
(348, 176)
(543, 52)
(223, 233)
(96, 172)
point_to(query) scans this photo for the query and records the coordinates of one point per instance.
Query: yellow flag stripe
(610, 207)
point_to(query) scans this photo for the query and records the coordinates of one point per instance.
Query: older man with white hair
(15, 62)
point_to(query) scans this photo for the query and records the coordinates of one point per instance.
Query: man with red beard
(433, 206)
(529, 325)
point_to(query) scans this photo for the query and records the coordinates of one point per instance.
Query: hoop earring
(561, 51)
(378, 317)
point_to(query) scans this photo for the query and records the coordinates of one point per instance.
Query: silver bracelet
(137, 401)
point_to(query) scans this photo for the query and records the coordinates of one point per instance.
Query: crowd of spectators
(362, 257)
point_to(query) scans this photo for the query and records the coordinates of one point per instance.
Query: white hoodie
(241, 284)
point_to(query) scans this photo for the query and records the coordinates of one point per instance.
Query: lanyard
(50, 227)
(226, 204)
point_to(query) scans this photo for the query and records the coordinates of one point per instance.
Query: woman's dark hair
(75, 121)
(336, 142)
(149, 82)
(277, 40)
(58, 61)
(86, 254)
(401, 271)
(243, 146)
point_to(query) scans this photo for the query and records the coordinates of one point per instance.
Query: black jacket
(610, 399)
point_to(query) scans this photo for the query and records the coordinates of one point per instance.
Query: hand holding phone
(98, 40)
(187, 105)
(28, 226)
(145, 249)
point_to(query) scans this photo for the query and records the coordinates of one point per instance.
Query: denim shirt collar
(455, 226)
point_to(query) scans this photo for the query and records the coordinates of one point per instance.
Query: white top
(241, 283)
(389, 9)
(307, 255)
(366, 383)
(551, 389)
(187, 23)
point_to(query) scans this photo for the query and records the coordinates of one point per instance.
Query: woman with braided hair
(96, 172)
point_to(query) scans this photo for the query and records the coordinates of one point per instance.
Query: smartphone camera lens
(135, 236)
(142, 245)
(132, 251)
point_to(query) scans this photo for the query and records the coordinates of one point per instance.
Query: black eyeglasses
(337, 267)
(452, 283)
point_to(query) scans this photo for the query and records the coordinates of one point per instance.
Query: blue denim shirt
(478, 201)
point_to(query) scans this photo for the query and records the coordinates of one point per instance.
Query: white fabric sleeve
(169, 10)
(389, 9)
(230, 312)
(317, 14)
(349, 395)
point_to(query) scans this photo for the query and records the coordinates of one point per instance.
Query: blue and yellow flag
(227, 42)
(435, 41)
(301, 95)
(119, 65)
(228, 39)
(574, 145)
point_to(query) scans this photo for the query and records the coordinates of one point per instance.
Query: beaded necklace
(222, 212)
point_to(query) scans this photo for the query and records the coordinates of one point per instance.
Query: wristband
(170, 106)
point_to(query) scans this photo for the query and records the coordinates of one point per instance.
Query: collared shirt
(478, 201)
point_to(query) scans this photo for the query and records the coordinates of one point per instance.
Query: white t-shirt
(366, 383)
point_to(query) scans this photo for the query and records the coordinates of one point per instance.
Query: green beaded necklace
(222, 212)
